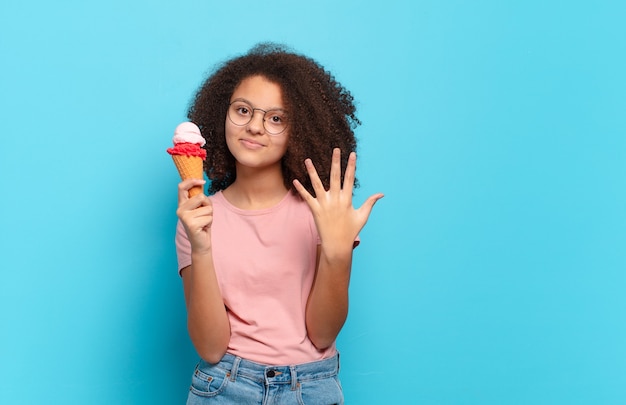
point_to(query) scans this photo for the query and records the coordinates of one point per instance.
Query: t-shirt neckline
(263, 211)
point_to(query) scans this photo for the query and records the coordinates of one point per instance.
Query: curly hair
(322, 114)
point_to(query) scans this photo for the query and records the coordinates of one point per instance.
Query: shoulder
(218, 197)
(294, 199)
(296, 204)
(301, 215)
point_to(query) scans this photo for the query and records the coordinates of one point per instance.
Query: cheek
(284, 141)
(230, 139)
(281, 146)
(230, 131)
(228, 128)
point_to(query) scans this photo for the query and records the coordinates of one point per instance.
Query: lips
(251, 144)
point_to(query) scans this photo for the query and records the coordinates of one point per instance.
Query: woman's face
(256, 144)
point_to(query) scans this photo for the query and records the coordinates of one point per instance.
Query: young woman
(266, 258)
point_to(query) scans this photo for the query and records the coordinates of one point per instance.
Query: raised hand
(338, 222)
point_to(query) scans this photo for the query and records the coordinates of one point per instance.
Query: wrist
(336, 252)
(201, 253)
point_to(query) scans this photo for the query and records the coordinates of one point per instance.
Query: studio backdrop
(493, 271)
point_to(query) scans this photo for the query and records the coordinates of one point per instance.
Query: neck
(254, 189)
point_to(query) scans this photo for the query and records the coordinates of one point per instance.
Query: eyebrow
(252, 105)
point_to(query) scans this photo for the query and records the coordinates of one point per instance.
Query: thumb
(369, 203)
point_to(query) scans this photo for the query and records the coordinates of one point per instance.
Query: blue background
(493, 272)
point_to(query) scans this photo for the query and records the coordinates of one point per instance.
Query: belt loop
(294, 378)
(338, 363)
(233, 370)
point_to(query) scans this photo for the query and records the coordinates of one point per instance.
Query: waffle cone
(189, 167)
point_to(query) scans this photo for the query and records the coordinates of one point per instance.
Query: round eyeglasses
(274, 121)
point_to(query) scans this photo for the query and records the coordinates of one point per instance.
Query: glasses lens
(275, 121)
(241, 113)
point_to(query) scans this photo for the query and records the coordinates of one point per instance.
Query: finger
(194, 206)
(368, 205)
(204, 218)
(304, 193)
(335, 170)
(200, 221)
(187, 203)
(184, 187)
(205, 201)
(349, 176)
(315, 178)
(198, 218)
(205, 209)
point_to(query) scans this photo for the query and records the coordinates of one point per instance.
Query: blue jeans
(237, 381)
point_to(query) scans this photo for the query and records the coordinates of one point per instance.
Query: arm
(327, 306)
(207, 320)
(338, 224)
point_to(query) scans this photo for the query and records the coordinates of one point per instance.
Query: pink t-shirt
(265, 262)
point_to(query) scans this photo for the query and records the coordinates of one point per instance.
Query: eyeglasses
(274, 121)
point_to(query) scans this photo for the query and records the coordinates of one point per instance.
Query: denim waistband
(237, 366)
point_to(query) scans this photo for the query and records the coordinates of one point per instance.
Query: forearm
(327, 307)
(207, 321)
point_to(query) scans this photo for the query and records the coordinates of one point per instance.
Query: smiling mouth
(251, 143)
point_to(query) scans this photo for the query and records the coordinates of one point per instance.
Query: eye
(275, 117)
(242, 110)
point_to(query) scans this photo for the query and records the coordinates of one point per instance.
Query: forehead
(259, 91)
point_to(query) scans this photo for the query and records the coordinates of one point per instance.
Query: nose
(255, 125)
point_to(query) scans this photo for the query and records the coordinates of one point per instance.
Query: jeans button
(270, 373)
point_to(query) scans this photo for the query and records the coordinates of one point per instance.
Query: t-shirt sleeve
(183, 247)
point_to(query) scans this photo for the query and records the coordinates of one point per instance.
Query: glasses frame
(253, 109)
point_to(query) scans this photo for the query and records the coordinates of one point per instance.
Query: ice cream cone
(189, 167)
(188, 154)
